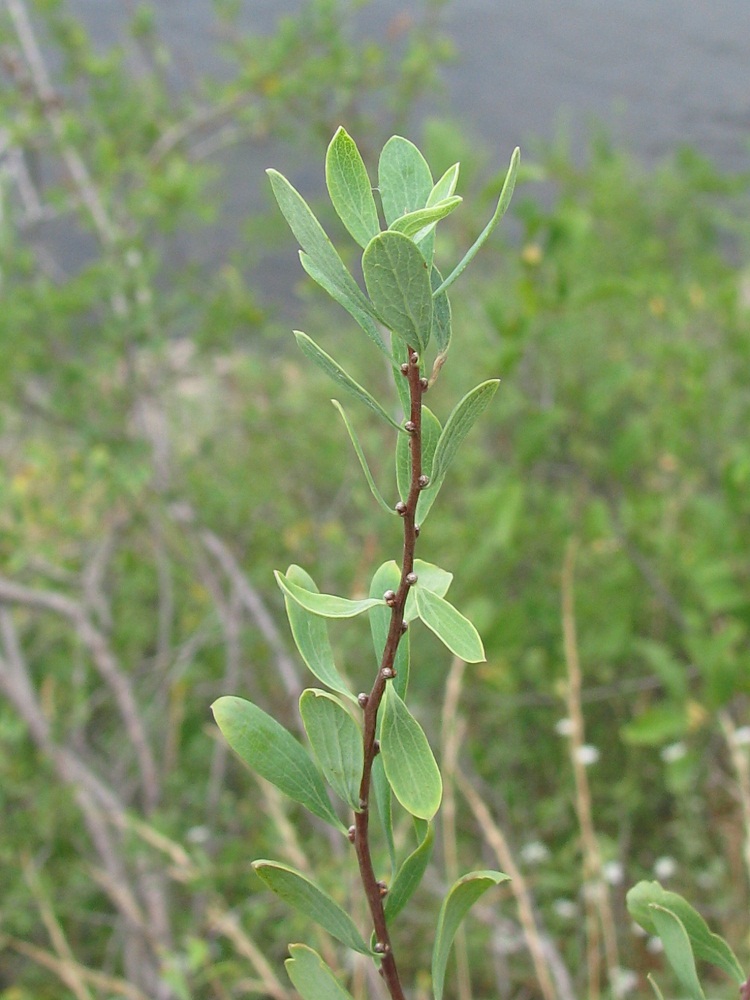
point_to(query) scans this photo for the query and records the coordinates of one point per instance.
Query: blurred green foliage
(146, 394)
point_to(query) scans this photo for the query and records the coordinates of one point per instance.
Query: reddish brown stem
(372, 889)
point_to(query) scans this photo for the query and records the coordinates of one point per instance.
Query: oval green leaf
(384, 802)
(398, 283)
(341, 377)
(310, 634)
(404, 178)
(502, 206)
(311, 977)
(325, 605)
(706, 945)
(677, 948)
(314, 241)
(407, 758)
(416, 225)
(465, 414)
(462, 896)
(273, 753)
(409, 875)
(350, 189)
(297, 890)
(449, 625)
(362, 459)
(336, 741)
(432, 578)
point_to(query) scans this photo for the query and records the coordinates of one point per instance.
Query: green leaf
(417, 225)
(449, 625)
(297, 890)
(655, 987)
(462, 896)
(431, 430)
(407, 758)
(342, 378)
(336, 741)
(400, 355)
(404, 178)
(326, 605)
(706, 945)
(398, 282)
(388, 577)
(677, 949)
(445, 187)
(310, 633)
(362, 460)
(274, 754)
(465, 414)
(384, 802)
(409, 876)
(430, 577)
(313, 239)
(441, 314)
(311, 977)
(502, 206)
(350, 189)
(352, 305)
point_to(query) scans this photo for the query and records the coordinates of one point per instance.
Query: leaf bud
(380, 948)
(390, 597)
(363, 698)
(411, 579)
(352, 833)
(404, 626)
(382, 889)
(376, 747)
(423, 481)
(400, 508)
(417, 529)
(404, 369)
(410, 426)
(414, 358)
(363, 804)
(425, 384)
(388, 673)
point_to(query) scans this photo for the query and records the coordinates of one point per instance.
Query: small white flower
(564, 727)
(587, 754)
(624, 981)
(665, 867)
(742, 736)
(613, 872)
(673, 752)
(566, 909)
(534, 852)
(654, 945)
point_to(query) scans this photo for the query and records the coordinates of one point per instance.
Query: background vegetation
(156, 466)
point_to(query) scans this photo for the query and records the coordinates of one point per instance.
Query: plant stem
(373, 890)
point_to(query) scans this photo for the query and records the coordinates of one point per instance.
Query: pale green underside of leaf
(677, 949)
(314, 241)
(388, 577)
(398, 283)
(409, 876)
(363, 460)
(304, 895)
(442, 329)
(352, 305)
(708, 946)
(417, 225)
(311, 977)
(462, 896)
(409, 763)
(404, 178)
(310, 633)
(449, 625)
(350, 189)
(502, 206)
(445, 187)
(341, 377)
(431, 431)
(465, 414)
(429, 577)
(326, 605)
(273, 753)
(336, 740)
